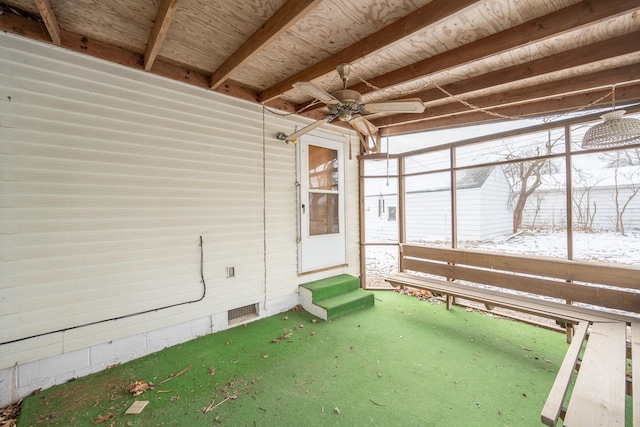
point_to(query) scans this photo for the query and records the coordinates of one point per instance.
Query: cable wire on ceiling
(503, 116)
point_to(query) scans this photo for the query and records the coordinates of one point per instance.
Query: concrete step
(331, 286)
(348, 302)
(334, 297)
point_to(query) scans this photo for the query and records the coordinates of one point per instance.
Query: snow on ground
(602, 246)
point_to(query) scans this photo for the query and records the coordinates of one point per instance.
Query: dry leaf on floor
(9, 414)
(102, 418)
(138, 387)
(212, 371)
(285, 318)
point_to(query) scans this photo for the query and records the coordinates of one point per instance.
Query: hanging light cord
(503, 116)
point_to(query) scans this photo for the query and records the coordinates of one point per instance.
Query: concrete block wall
(20, 381)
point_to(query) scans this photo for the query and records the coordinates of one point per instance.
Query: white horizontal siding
(109, 176)
(552, 210)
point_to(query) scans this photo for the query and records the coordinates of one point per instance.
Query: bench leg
(569, 331)
(450, 302)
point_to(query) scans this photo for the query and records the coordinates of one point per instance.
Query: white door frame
(317, 252)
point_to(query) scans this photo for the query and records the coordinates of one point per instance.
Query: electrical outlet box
(231, 272)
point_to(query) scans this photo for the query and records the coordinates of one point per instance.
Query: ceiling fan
(346, 105)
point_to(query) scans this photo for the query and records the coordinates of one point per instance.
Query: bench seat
(594, 298)
(598, 353)
(555, 310)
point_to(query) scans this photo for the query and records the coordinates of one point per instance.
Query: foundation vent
(238, 314)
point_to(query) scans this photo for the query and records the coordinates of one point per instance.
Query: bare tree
(584, 214)
(539, 200)
(525, 176)
(626, 168)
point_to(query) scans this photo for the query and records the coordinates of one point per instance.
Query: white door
(322, 238)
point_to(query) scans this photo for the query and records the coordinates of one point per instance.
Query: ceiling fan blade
(363, 126)
(414, 105)
(317, 92)
(309, 128)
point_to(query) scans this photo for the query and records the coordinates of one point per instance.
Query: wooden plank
(50, 21)
(550, 309)
(535, 30)
(290, 13)
(136, 407)
(598, 397)
(497, 136)
(166, 11)
(536, 108)
(590, 272)
(599, 296)
(554, 89)
(403, 27)
(555, 399)
(616, 46)
(635, 372)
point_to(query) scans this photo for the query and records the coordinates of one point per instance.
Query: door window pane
(323, 168)
(323, 214)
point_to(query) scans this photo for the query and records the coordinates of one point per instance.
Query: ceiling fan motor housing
(350, 102)
(348, 96)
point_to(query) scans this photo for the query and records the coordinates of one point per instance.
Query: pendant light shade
(614, 130)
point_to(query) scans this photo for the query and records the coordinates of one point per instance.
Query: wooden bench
(599, 300)
(598, 396)
(563, 290)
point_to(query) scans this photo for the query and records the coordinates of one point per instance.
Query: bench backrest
(594, 283)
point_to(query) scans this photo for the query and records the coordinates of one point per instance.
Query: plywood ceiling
(513, 57)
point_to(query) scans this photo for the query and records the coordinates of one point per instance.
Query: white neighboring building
(593, 203)
(483, 211)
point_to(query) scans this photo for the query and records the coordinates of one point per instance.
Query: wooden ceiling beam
(630, 108)
(617, 46)
(628, 93)
(536, 30)
(403, 27)
(166, 11)
(553, 89)
(79, 43)
(50, 20)
(290, 13)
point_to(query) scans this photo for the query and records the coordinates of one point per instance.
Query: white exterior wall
(496, 216)
(378, 228)
(552, 211)
(483, 213)
(428, 216)
(109, 177)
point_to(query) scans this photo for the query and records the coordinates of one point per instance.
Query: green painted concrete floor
(403, 362)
